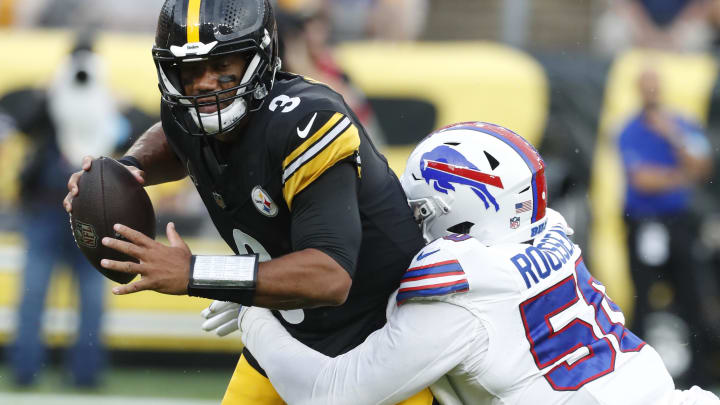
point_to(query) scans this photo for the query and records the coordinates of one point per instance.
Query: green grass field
(138, 386)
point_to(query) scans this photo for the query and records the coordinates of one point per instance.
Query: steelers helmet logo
(263, 202)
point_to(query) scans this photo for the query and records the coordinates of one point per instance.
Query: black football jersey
(249, 186)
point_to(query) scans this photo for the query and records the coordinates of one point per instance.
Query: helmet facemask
(219, 28)
(426, 211)
(477, 179)
(231, 104)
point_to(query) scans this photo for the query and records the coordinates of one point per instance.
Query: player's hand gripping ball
(108, 195)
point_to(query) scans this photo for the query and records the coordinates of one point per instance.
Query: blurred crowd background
(621, 97)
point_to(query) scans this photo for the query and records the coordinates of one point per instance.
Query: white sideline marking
(125, 323)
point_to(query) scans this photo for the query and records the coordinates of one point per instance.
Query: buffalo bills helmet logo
(445, 166)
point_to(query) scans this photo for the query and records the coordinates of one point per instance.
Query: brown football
(108, 194)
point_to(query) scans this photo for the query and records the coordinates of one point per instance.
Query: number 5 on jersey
(579, 350)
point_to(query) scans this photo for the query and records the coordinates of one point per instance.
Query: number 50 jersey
(554, 336)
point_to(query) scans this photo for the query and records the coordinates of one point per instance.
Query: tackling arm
(421, 342)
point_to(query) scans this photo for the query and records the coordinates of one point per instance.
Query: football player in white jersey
(499, 302)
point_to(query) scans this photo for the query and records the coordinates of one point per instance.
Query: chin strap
(216, 167)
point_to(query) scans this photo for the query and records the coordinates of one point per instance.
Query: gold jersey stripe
(313, 81)
(193, 21)
(311, 140)
(316, 148)
(343, 146)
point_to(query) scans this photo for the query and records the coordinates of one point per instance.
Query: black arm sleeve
(326, 216)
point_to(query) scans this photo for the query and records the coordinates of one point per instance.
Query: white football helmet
(479, 179)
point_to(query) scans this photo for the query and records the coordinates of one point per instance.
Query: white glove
(222, 317)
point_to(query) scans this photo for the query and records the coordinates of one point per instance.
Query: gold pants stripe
(248, 387)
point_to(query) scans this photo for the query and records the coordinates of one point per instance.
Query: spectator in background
(387, 20)
(715, 23)
(74, 117)
(305, 49)
(676, 25)
(665, 157)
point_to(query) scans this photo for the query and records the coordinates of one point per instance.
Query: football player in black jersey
(288, 176)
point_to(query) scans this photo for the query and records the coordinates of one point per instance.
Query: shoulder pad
(294, 98)
(314, 134)
(435, 272)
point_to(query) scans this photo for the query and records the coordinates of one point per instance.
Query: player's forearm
(303, 279)
(412, 351)
(156, 157)
(291, 366)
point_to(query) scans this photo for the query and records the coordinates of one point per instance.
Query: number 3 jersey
(553, 335)
(283, 165)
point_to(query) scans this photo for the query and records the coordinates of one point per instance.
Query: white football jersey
(525, 323)
(554, 337)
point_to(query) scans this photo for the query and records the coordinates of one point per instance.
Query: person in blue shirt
(665, 156)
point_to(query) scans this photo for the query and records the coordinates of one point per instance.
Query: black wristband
(221, 278)
(242, 296)
(128, 160)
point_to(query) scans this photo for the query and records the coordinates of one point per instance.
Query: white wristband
(224, 271)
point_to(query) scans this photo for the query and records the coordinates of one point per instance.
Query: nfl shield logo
(85, 234)
(514, 222)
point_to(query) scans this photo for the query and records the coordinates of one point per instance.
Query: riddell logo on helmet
(445, 166)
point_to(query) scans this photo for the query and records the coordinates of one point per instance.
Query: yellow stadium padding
(62, 297)
(11, 161)
(686, 82)
(465, 81)
(37, 53)
(61, 293)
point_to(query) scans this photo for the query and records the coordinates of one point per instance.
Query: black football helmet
(195, 30)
